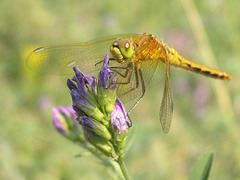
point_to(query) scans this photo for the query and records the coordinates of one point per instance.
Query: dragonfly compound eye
(122, 49)
(126, 48)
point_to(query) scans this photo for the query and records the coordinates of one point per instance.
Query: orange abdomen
(178, 61)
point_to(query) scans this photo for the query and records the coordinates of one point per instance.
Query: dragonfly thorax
(122, 49)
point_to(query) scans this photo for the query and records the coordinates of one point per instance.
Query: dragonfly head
(122, 49)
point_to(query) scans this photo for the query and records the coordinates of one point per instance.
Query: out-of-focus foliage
(31, 149)
(202, 167)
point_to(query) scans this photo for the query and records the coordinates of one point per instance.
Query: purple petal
(88, 126)
(60, 114)
(89, 79)
(119, 118)
(58, 119)
(105, 74)
(71, 85)
(79, 100)
(72, 112)
(106, 61)
(77, 72)
(88, 122)
(81, 86)
(81, 75)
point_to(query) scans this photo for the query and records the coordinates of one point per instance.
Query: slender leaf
(201, 168)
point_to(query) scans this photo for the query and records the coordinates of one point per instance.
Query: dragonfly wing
(166, 108)
(60, 59)
(132, 91)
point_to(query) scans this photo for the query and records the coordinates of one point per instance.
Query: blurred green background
(206, 114)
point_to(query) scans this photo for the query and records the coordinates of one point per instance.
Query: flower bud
(83, 103)
(64, 120)
(107, 87)
(60, 122)
(120, 123)
(99, 129)
(103, 146)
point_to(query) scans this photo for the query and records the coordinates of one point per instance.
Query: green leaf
(201, 168)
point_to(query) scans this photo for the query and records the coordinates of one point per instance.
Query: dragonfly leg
(122, 75)
(110, 59)
(129, 79)
(98, 63)
(128, 73)
(143, 90)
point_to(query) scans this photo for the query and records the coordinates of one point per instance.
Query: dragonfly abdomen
(178, 61)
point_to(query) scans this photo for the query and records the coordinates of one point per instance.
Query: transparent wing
(166, 108)
(132, 91)
(60, 59)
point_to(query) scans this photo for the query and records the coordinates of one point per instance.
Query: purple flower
(99, 112)
(59, 121)
(83, 93)
(90, 98)
(64, 120)
(119, 120)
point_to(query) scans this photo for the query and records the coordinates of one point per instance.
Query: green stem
(123, 167)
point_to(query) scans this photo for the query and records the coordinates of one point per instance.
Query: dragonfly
(133, 57)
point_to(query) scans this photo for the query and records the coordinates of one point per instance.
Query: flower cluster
(97, 116)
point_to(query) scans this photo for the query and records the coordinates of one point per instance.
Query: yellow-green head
(122, 49)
